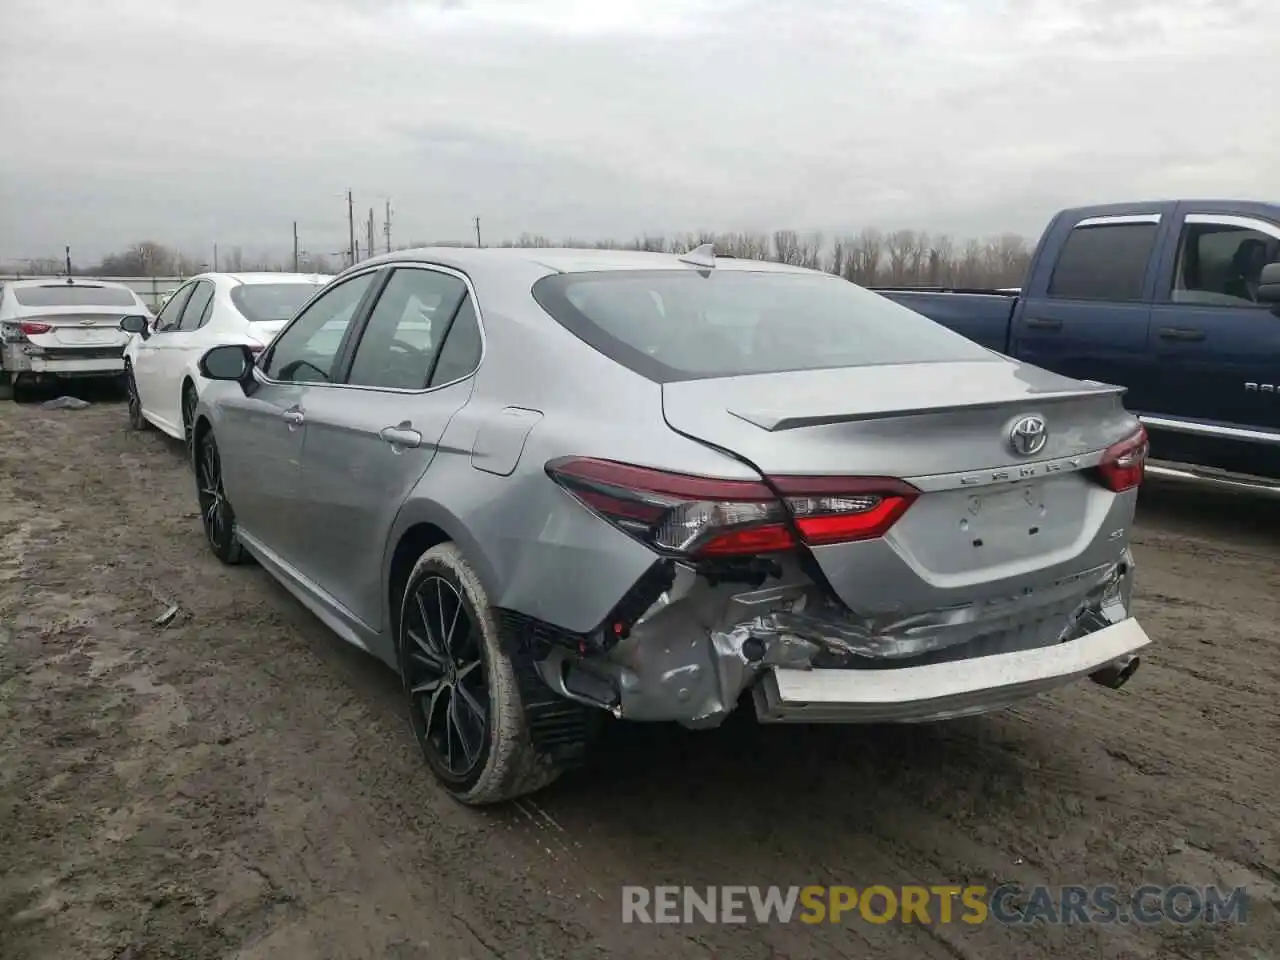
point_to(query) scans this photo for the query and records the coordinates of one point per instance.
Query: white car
(54, 329)
(211, 309)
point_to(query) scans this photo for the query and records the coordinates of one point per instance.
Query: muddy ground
(239, 783)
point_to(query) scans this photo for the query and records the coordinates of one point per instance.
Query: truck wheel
(464, 700)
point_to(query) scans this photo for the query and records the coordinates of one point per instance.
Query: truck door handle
(1181, 333)
(294, 418)
(1040, 324)
(401, 435)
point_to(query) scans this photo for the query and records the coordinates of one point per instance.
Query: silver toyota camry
(545, 485)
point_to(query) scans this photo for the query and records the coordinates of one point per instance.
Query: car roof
(265, 277)
(566, 259)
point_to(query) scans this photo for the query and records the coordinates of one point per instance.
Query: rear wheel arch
(425, 526)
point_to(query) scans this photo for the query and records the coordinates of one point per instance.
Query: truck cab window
(1104, 262)
(1219, 263)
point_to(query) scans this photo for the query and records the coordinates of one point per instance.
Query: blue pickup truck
(1179, 301)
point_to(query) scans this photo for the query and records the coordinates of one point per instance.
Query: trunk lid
(73, 327)
(985, 514)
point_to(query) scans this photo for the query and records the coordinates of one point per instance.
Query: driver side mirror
(1269, 286)
(136, 323)
(231, 362)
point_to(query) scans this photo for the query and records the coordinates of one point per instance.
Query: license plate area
(86, 336)
(1017, 511)
(971, 533)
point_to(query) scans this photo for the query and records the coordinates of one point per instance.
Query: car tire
(216, 515)
(470, 668)
(136, 420)
(188, 400)
(21, 389)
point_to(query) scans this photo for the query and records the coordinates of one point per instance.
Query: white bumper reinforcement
(939, 691)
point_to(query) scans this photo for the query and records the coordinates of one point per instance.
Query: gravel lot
(239, 783)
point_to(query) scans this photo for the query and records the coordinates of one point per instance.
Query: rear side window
(1104, 262)
(80, 295)
(671, 325)
(265, 302)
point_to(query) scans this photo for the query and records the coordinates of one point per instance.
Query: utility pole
(386, 226)
(476, 220)
(295, 246)
(351, 231)
(215, 256)
(68, 260)
(370, 248)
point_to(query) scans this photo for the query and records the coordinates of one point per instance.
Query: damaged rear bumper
(940, 691)
(806, 658)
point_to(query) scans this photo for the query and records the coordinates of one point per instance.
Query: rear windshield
(80, 295)
(261, 302)
(684, 325)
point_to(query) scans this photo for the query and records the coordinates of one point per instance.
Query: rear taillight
(1124, 463)
(30, 327)
(703, 517)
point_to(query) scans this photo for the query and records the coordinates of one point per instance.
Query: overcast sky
(190, 121)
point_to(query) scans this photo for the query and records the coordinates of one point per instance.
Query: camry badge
(1028, 436)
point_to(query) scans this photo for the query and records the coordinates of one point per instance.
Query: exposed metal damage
(693, 654)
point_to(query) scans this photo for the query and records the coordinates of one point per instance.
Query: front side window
(1219, 264)
(399, 344)
(307, 350)
(672, 325)
(1104, 262)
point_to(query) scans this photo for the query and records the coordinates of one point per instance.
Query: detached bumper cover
(939, 691)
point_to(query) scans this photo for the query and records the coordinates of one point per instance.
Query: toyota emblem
(1028, 436)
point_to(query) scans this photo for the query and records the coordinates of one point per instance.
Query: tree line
(869, 257)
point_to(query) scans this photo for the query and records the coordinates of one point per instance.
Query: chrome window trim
(1233, 220)
(1118, 220)
(416, 265)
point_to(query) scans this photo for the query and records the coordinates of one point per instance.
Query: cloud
(199, 122)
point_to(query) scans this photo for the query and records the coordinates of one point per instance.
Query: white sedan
(208, 310)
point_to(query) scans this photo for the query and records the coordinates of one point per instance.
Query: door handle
(1181, 333)
(1039, 324)
(294, 418)
(401, 435)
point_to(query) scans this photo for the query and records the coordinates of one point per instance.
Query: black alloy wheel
(136, 419)
(189, 420)
(216, 515)
(447, 679)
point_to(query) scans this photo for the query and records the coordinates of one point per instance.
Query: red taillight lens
(30, 327)
(703, 517)
(1124, 463)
